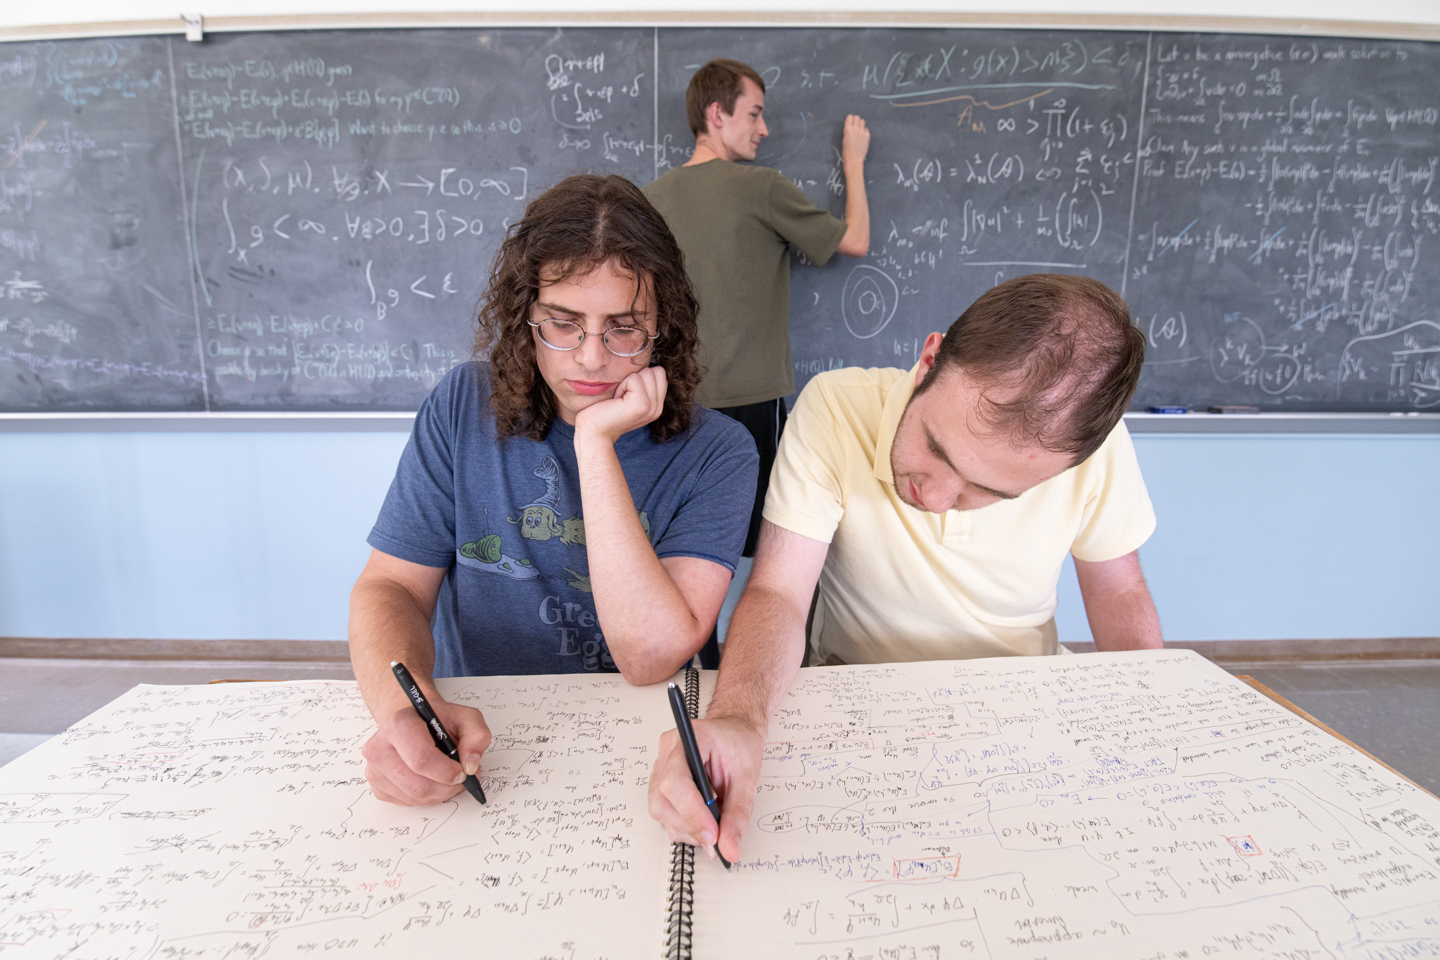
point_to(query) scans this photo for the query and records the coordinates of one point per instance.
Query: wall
(1265, 537)
(260, 535)
(186, 535)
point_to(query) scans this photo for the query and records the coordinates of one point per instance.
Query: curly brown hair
(571, 229)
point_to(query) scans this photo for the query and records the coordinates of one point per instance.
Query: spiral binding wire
(692, 693)
(679, 916)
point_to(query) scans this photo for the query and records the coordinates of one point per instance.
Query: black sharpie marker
(432, 723)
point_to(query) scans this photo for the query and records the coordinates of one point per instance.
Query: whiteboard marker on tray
(1170, 409)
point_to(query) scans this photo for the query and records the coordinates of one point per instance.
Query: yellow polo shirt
(901, 584)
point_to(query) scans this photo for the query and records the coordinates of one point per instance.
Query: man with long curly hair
(563, 507)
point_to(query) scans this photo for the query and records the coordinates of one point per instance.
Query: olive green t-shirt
(734, 223)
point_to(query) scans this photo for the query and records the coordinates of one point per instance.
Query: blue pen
(692, 757)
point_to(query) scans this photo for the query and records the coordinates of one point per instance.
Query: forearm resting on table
(763, 647)
(762, 654)
(390, 610)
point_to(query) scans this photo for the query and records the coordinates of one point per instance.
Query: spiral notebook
(680, 910)
(1136, 804)
(1101, 805)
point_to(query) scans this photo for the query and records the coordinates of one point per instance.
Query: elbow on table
(655, 671)
(640, 668)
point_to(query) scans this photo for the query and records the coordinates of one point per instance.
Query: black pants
(765, 421)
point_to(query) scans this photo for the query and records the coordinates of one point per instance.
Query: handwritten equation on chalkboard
(306, 220)
(358, 205)
(1068, 807)
(305, 223)
(1266, 204)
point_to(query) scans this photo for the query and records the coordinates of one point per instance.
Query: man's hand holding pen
(731, 750)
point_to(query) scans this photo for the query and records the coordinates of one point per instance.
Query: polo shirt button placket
(955, 528)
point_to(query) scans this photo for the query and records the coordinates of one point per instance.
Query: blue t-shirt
(504, 517)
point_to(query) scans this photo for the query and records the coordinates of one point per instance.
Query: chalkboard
(95, 305)
(304, 221)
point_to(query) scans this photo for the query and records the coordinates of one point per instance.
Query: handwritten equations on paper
(1115, 806)
(223, 822)
(1109, 805)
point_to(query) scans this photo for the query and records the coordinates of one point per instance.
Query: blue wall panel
(1265, 537)
(260, 535)
(186, 535)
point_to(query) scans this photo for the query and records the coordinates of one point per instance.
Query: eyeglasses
(564, 335)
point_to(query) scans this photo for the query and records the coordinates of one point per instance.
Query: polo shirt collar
(895, 401)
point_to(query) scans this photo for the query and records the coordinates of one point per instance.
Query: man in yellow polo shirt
(934, 508)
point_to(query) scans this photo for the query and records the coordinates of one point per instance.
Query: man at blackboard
(735, 223)
(934, 508)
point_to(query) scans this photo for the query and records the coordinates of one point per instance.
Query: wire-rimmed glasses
(565, 335)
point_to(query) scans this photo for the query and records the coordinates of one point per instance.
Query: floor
(1391, 709)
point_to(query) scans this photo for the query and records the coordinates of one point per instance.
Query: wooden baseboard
(1304, 651)
(103, 648)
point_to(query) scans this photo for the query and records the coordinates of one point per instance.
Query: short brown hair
(1058, 356)
(719, 81)
(570, 229)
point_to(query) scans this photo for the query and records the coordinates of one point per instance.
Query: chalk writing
(1267, 205)
(334, 258)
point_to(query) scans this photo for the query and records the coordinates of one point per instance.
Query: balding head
(1057, 356)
